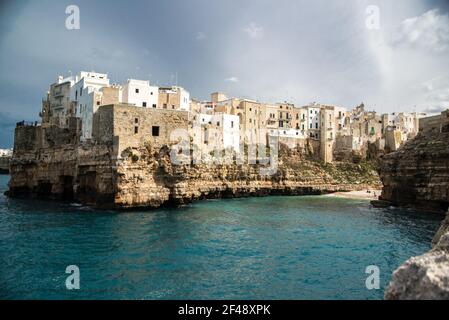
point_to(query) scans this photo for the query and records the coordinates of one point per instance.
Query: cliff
(418, 173)
(146, 177)
(426, 276)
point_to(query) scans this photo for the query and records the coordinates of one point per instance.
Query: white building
(287, 133)
(340, 118)
(5, 152)
(86, 92)
(313, 120)
(217, 131)
(184, 99)
(140, 93)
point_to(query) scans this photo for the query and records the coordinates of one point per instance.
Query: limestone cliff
(418, 173)
(426, 276)
(146, 177)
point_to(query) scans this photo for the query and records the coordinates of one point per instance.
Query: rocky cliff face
(148, 179)
(418, 173)
(143, 177)
(425, 276)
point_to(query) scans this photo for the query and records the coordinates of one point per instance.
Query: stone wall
(434, 122)
(129, 126)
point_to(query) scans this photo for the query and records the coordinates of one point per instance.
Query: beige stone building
(125, 126)
(58, 107)
(174, 98)
(434, 122)
(328, 133)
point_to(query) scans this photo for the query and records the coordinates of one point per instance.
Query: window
(81, 92)
(76, 95)
(155, 131)
(136, 120)
(154, 105)
(316, 125)
(218, 123)
(302, 127)
(151, 93)
(136, 130)
(137, 90)
(98, 103)
(144, 104)
(165, 106)
(232, 124)
(310, 126)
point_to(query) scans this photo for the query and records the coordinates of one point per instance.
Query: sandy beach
(362, 194)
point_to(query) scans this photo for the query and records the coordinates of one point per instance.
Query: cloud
(200, 36)
(429, 30)
(232, 79)
(254, 31)
(436, 92)
(435, 109)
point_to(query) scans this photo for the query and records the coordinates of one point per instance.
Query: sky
(391, 55)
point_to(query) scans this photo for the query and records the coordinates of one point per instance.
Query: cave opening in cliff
(43, 189)
(67, 185)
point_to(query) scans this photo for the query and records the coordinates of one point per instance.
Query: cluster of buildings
(329, 132)
(5, 158)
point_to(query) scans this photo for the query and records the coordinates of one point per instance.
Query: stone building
(125, 126)
(86, 93)
(140, 93)
(328, 133)
(434, 122)
(217, 131)
(174, 98)
(58, 105)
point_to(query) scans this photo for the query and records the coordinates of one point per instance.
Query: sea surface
(309, 247)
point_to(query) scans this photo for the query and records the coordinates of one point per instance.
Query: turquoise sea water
(312, 247)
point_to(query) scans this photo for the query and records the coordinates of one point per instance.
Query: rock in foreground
(425, 277)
